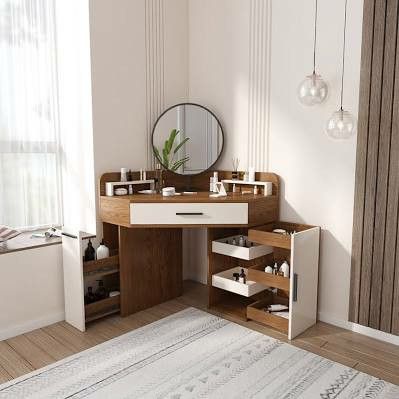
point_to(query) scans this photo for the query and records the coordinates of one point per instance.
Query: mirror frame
(174, 106)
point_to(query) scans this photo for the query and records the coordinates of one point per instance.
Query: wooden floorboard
(38, 348)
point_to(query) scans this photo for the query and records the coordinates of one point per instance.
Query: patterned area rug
(193, 354)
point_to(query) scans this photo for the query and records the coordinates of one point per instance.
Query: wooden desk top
(200, 197)
(261, 209)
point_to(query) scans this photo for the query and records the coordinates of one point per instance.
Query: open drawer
(265, 235)
(257, 312)
(257, 273)
(225, 246)
(225, 281)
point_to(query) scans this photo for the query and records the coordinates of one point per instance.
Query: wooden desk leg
(151, 267)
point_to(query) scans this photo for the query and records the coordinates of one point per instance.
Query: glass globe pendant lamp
(342, 124)
(313, 89)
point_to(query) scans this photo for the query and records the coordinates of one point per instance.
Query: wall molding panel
(155, 67)
(259, 83)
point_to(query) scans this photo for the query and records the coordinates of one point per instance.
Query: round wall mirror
(187, 139)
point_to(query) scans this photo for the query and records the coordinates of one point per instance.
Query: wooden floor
(36, 349)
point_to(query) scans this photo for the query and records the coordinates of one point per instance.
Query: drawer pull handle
(295, 293)
(189, 213)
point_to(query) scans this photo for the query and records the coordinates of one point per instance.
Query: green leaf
(181, 144)
(166, 148)
(171, 140)
(165, 158)
(179, 163)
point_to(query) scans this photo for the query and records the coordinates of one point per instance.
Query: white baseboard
(370, 332)
(31, 325)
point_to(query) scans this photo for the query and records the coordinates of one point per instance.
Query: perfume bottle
(242, 277)
(89, 297)
(90, 253)
(159, 184)
(101, 292)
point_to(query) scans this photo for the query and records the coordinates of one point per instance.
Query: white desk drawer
(189, 213)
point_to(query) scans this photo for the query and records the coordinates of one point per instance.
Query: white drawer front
(187, 213)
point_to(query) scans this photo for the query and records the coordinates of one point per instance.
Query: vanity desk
(146, 232)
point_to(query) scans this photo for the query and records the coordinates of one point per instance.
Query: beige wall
(133, 80)
(246, 66)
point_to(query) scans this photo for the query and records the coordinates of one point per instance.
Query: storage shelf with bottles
(295, 245)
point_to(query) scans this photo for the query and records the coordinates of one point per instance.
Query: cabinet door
(72, 258)
(303, 281)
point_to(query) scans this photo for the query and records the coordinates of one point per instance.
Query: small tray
(224, 280)
(223, 246)
(256, 312)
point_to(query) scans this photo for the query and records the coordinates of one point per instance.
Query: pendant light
(313, 90)
(342, 124)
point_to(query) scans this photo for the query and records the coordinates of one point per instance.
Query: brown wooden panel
(390, 302)
(361, 157)
(372, 160)
(383, 163)
(150, 267)
(374, 298)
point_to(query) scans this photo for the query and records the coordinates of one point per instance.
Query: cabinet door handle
(189, 213)
(295, 290)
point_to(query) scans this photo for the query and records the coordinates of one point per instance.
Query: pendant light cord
(315, 38)
(343, 56)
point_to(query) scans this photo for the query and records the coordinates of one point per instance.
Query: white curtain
(30, 181)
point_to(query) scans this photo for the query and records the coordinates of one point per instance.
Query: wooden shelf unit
(299, 291)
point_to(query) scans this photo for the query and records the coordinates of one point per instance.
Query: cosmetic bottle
(234, 242)
(269, 269)
(275, 268)
(242, 278)
(211, 185)
(234, 188)
(144, 175)
(285, 269)
(101, 292)
(123, 174)
(241, 241)
(256, 191)
(130, 190)
(90, 253)
(215, 180)
(159, 178)
(89, 297)
(236, 276)
(251, 174)
(102, 251)
(246, 176)
(129, 175)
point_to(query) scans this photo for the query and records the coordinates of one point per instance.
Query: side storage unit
(301, 248)
(265, 247)
(79, 275)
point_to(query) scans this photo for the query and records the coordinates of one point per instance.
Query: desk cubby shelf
(298, 292)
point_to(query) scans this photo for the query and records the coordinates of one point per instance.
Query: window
(30, 154)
